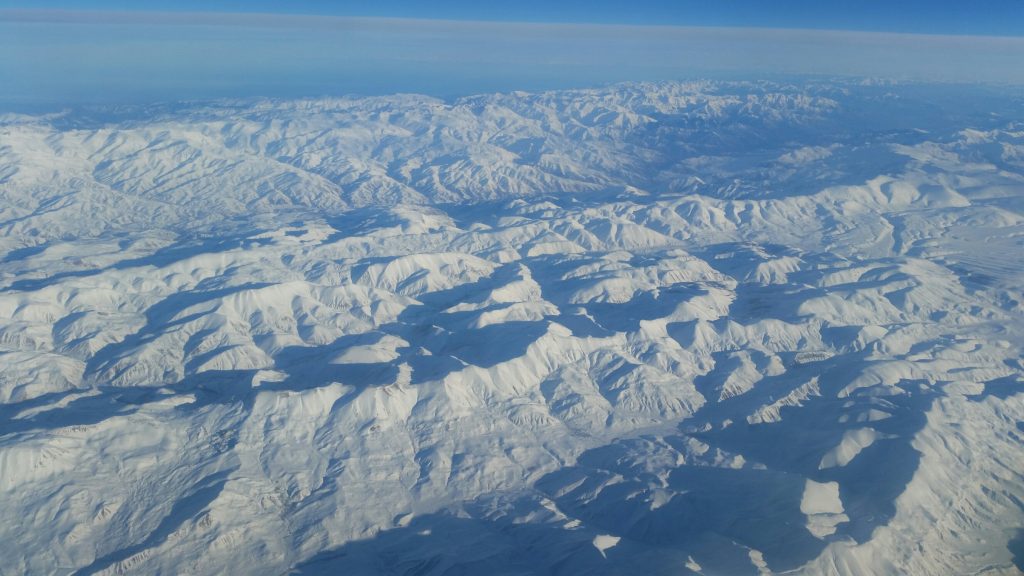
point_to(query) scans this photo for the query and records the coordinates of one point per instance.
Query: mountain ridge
(682, 327)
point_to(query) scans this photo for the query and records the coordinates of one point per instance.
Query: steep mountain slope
(709, 328)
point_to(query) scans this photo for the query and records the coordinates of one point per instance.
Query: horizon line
(192, 17)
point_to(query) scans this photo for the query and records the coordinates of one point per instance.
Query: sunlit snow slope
(712, 328)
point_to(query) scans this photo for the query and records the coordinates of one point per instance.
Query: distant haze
(58, 58)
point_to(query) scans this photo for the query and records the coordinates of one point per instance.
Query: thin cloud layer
(60, 57)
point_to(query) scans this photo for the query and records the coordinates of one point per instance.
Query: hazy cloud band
(75, 57)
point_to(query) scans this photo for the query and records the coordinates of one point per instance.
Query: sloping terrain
(713, 328)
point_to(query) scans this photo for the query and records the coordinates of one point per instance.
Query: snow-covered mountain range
(708, 327)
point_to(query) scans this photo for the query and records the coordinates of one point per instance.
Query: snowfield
(708, 327)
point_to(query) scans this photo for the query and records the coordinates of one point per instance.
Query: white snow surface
(707, 327)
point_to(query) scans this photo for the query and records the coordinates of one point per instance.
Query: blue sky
(51, 56)
(974, 17)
